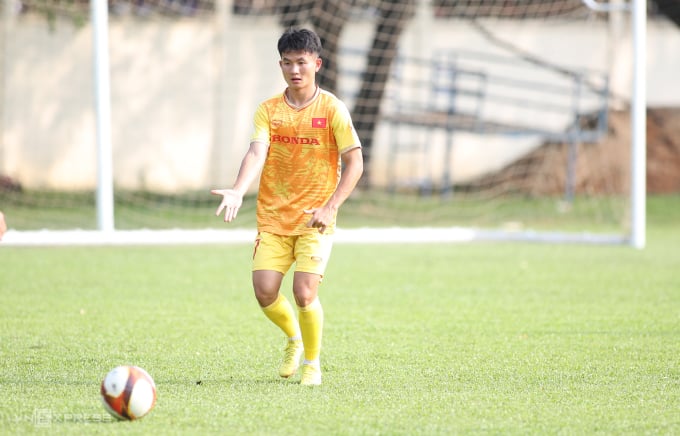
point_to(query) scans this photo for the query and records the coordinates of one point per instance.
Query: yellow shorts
(309, 252)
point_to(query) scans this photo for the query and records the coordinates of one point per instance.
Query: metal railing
(485, 94)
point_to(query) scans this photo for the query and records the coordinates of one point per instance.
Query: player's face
(299, 68)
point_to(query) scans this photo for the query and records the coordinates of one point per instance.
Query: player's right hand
(231, 202)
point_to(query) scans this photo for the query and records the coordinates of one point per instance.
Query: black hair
(299, 40)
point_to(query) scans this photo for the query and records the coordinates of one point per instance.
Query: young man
(3, 225)
(299, 140)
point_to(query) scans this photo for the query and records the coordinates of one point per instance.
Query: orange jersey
(302, 169)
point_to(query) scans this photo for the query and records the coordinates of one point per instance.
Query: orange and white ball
(128, 392)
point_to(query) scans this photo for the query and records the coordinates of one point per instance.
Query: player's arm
(251, 165)
(353, 167)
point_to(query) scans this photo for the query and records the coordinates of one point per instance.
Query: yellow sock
(311, 326)
(281, 313)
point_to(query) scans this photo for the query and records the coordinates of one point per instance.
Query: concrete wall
(183, 93)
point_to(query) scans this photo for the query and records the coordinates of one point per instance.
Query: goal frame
(107, 234)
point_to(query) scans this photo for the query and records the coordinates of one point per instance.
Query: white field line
(247, 236)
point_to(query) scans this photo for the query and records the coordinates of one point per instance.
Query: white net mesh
(480, 113)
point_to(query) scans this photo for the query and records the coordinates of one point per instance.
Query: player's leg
(272, 258)
(311, 253)
(275, 305)
(310, 316)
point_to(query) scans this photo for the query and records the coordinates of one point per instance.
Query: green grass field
(419, 339)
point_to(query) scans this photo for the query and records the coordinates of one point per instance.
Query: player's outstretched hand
(231, 202)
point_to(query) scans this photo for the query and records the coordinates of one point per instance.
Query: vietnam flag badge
(319, 123)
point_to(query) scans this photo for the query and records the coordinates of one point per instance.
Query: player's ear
(318, 63)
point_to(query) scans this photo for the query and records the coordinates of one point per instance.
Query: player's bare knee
(266, 297)
(304, 296)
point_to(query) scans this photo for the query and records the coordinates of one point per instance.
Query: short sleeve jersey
(303, 165)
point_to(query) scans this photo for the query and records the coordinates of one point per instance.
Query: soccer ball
(128, 392)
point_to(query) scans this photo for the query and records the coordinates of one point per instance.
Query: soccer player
(3, 225)
(308, 155)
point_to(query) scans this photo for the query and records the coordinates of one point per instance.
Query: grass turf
(419, 339)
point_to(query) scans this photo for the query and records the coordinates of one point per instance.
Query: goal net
(479, 119)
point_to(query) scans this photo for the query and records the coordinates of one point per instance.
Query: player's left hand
(321, 217)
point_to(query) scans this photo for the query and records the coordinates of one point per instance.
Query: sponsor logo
(293, 140)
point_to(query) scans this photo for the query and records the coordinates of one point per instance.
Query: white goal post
(638, 10)
(639, 126)
(99, 17)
